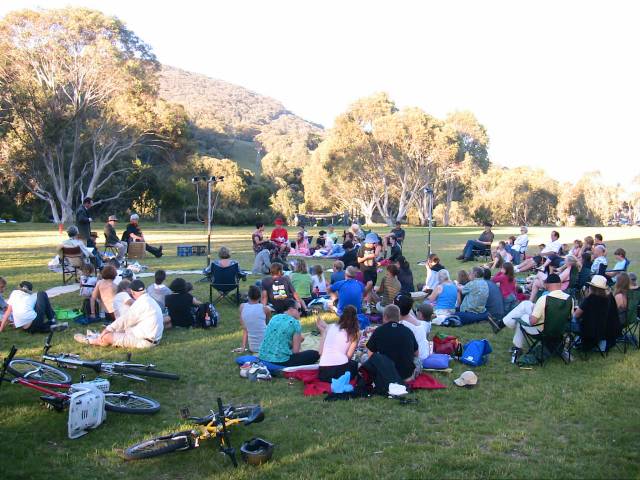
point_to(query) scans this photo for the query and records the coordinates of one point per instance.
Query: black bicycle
(134, 371)
(215, 425)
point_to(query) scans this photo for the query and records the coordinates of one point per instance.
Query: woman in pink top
(337, 345)
(506, 280)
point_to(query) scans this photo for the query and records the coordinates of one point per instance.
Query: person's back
(475, 293)
(276, 344)
(390, 288)
(254, 318)
(350, 292)
(336, 345)
(278, 289)
(319, 284)
(397, 342)
(337, 277)
(180, 308)
(301, 282)
(145, 320)
(262, 262)
(405, 277)
(157, 290)
(495, 300)
(448, 297)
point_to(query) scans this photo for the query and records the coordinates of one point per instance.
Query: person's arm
(245, 333)
(436, 293)
(621, 301)
(265, 298)
(297, 342)
(92, 300)
(322, 339)
(352, 346)
(5, 317)
(321, 324)
(267, 313)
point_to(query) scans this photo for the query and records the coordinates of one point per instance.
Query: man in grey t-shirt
(484, 242)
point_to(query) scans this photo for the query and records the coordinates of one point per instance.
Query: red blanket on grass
(313, 386)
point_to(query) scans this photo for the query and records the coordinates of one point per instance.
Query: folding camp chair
(226, 281)
(556, 337)
(631, 326)
(72, 260)
(482, 252)
(135, 251)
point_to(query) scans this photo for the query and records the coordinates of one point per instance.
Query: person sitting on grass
(506, 281)
(389, 288)
(318, 282)
(445, 297)
(158, 290)
(396, 342)
(417, 327)
(123, 299)
(262, 262)
(462, 278)
(532, 262)
(332, 234)
(140, 327)
(484, 242)
(30, 312)
(394, 248)
(302, 246)
(301, 280)
(500, 256)
(399, 233)
(283, 339)
(277, 289)
(350, 256)
(348, 291)
(405, 276)
(280, 237)
(104, 292)
(181, 304)
(338, 344)
(475, 294)
(433, 266)
(495, 302)
(532, 315)
(253, 320)
(338, 272)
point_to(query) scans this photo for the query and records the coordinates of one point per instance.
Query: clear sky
(556, 83)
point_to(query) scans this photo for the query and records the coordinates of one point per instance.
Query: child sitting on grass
(158, 291)
(253, 320)
(88, 280)
(338, 272)
(301, 280)
(318, 282)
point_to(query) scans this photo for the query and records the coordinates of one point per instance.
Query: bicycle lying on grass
(49, 380)
(134, 371)
(215, 425)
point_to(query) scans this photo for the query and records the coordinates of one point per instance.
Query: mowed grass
(576, 421)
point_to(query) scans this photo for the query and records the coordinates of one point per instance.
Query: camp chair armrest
(526, 324)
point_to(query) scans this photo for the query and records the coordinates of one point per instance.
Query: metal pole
(209, 187)
(430, 193)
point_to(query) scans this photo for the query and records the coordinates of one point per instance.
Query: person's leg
(43, 306)
(471, 317)
(122, 250)
(522, 310)
(467, 251)
(518, 337)
(307, 357)
(156, 252)
(326, 374)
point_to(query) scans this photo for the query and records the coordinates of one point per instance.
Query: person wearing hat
(597, 317)
(484, 241)
(140, 327)
(133, 233)
(83, 220)
(531, 314)
(111, 238)
(367, 259)
(30, 312)
(280, 237)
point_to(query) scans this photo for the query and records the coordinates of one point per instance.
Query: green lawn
(576, 421)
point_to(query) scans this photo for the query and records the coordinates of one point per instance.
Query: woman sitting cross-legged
(445, 297)
(283, 339)
(338, 344)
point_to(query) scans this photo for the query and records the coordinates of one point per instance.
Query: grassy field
(575, 421)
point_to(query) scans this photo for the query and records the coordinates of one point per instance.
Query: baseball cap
(137, 286)
(26, 286)
(468, 379)
(553, 278)
(112, 218)
(371, 238)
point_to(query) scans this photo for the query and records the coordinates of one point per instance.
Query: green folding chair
(631, 325)
(556, 335)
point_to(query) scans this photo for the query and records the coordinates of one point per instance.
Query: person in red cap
(280, 237)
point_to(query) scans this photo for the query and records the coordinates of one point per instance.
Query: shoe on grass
(495, 325)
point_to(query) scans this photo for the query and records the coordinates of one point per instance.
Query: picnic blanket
(314, 387)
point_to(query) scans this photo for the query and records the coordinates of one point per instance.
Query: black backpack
(206, 316)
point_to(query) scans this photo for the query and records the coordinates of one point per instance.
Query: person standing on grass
(141, 327)
(367, 256)
(253, 320)
(30, 312)
(83, 220)
(104, 292)
(337, 345)
(283, 339)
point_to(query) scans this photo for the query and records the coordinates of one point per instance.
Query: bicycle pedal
(185, 413)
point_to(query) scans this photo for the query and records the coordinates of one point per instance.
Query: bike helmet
(256, 451)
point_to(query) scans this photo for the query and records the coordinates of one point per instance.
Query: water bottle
(514, 356)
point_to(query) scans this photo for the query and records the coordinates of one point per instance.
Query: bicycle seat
(256, 416)
(92, 364)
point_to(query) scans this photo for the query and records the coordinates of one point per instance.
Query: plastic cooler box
(184, 250)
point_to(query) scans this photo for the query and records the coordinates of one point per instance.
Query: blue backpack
(475, 352)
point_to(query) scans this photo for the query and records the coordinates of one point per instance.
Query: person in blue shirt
(338, 272)
(348, 291)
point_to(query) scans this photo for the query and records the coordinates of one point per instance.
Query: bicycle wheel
(143, 372)
(161, 445)
(27, 368)
(127, 402)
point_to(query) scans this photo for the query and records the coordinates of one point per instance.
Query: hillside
(227, 118)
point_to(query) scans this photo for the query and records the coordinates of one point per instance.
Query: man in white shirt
(140, 327)
(552, 251)
(30, 311)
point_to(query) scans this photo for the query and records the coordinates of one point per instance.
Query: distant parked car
(2, 220)
(12, 221)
